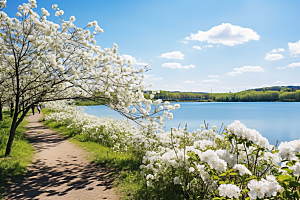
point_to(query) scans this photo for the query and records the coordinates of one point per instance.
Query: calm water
(274, 120)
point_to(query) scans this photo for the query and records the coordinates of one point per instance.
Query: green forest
(289, 94)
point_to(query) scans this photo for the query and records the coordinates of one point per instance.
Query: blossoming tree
(45, 61)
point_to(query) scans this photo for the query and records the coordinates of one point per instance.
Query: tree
(47, 61)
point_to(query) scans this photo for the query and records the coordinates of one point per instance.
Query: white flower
(229, 190)
(54, 6)
(18, 14)
(242, 169)
(296, 169)
(256, 189)
(149, 183)
(191, 169)
(213, 127)
(202, 126)
(90, 24)
(72, 18)
(176, 180)
(94, 23)
(176, 106)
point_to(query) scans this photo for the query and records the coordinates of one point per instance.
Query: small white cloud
(134, 60)
(151, 77)
(197, 47)
(278, 82)
(292, 65)
(213, 76)
(185, 42)
(210, 80)
(173, 55)
(274, 56)
(246, 69)
(208, 46)
(294, 47)
(226, 34)
(277, 50)
(175, 65)
(188, 81)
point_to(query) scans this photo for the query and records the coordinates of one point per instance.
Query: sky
(196, 45)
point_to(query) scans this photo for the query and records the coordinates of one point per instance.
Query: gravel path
(60, 170)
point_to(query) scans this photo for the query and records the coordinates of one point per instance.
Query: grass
(13, 167)
(81, 102)
(124, 166)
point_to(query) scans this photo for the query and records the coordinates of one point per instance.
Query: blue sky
(197, 45)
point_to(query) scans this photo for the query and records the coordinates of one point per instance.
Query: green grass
(124, 167)
(13, 167)
(79, 102)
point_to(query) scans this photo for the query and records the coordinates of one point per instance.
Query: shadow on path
(60, 170)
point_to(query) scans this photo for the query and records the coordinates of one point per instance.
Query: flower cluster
(269, 187)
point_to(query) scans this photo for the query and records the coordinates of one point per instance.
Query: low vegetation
(12, 168)
(124, 166)
(237, 162)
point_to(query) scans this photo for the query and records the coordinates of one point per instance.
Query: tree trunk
(15, 123)
(1, 116)
(11, 137)
(11, 109)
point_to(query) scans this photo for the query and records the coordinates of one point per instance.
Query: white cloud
(151, 77)
(274, 56)
(292, 65)
(197, 47)
(134, 60)
(246, 69)
(185, 42)
(188, 81)
(173, 55)
(213, 76)
(225, 34)
(175, 65)
(208, 46)
(294, 47)
(278, 82)
(211, 80)
(277, 50)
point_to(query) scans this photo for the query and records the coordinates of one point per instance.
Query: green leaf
(294, 184)
(245, 190)
(223, 174)
(233, 174)
(284, 177)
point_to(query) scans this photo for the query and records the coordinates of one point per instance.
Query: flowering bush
(237, 163)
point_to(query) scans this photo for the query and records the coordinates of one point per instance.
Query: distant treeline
(264, 94)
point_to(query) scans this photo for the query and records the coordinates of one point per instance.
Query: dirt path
(60, 170)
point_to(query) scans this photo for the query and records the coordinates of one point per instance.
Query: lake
(274, 120)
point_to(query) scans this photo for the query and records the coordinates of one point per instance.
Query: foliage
(205, 164)
(244, 96)
(43, 60)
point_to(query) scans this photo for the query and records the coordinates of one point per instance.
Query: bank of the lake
(274, 120)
